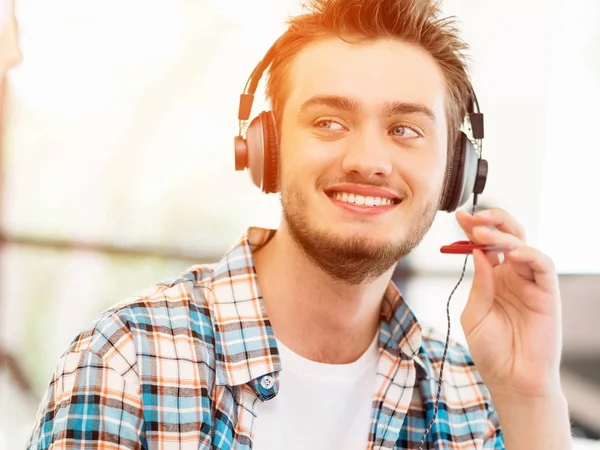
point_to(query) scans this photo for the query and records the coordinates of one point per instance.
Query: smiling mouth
(363, 200)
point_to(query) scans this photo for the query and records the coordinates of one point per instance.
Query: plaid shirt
(183, 365)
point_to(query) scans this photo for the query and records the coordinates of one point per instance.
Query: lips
(362, 199)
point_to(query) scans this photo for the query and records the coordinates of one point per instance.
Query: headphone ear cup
(254, 151)
(259, 152)
(271, 155)
(461, 174)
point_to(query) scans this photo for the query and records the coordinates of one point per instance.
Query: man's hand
(512, 320)
(512, 323)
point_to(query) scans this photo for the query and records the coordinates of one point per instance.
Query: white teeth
(362, 200)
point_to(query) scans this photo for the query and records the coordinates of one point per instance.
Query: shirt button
(267, 382)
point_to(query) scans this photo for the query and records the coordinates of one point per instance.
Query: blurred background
(116, 129)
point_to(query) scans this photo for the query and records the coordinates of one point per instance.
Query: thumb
(481, 298)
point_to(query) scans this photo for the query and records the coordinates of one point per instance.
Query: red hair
(412, 21)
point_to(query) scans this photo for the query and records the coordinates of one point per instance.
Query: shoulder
(131, 358)
(172, 315)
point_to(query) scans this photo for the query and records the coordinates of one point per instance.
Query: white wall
(572, 182)
(510, 42)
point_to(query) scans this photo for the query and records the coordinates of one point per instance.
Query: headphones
(466, 171)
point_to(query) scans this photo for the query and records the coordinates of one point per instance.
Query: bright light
(95, 55)
(257, 11)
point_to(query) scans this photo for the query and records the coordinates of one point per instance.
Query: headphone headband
(247, 96)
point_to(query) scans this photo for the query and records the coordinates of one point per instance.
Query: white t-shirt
(318, 406)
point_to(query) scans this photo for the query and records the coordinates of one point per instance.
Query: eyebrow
(400, 108)
(333, 101)
(351, 105)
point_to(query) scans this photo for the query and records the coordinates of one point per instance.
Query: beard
(353, 259)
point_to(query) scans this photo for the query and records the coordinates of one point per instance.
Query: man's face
(363, 153)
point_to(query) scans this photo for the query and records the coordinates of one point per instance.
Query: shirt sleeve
(493, 437)
(88, 405)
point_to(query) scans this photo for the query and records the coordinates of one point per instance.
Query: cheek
(425, 176)
(303, 159)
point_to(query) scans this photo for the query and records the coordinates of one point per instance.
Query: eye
(403, 131)
(328, 125)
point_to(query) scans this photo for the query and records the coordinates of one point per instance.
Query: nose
(367, 154)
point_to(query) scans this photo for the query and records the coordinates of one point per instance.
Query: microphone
(467, 247)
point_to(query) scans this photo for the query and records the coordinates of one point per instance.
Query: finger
(467, 222)
(494, 257)
(496, 238)
(495, 217)
(529, 263)
(481, 298)
(535, 266)
(504, 221)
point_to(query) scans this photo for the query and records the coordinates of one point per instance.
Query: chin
(350, 244)
(369, 236)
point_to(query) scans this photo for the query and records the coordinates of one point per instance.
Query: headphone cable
(439, 390)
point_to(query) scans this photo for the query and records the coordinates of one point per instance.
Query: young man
(297, 339)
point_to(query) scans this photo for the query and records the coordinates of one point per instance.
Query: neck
(313, 314)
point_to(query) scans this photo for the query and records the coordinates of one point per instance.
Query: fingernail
(486, 213)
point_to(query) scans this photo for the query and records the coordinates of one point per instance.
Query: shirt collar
(245, 344)
(399, 331)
